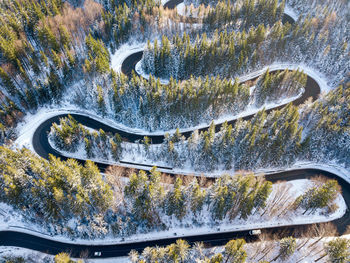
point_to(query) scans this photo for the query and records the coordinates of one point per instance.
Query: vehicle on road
(97, 254)
(255, 232)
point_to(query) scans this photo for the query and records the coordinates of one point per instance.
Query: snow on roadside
(111, 260)
(139, 70)
(291, 12)
(26, 129)
(181, 10)
(300, 165)
(123, 52)
(187, 228)
(317, 76)
(141, 160)
(303, 254)
(34, 256)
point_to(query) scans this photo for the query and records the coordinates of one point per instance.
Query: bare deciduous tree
(114, 174)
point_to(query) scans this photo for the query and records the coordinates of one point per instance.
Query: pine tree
(262, 194)
(318, 197)
(98, 56)
(88, 148)
(100, 100)
(234, 251)
(338, 250)
(196, 197)
(217, 258)
(8, 83)
(63, 258)
(146, 142)
(31, 99)
(176, 201)
(287, 247)
(65, 38)
(221, 199)
(145, 196)
(56, 59)
(179, 251)
(54, 84)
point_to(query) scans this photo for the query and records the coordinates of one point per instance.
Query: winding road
(42, 147)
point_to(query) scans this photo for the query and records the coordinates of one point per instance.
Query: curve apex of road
(172, 4)
(43, 148)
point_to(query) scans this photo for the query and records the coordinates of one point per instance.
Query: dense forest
(38, 68)
(154, 106)
(318, 132)
(231, 53)
(53, 193)
(47, 46)
(276, 139)
(40, 49)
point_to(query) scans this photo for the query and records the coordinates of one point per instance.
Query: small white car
(97, 253)
(255, 232)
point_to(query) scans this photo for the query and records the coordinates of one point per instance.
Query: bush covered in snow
(70, 136)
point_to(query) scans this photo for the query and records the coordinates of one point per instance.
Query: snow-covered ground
(291, 12)
(181, 10)
(26, 129)
(111, 260)
(316, 75)
(163, 2)
(123, 52)
(34, 256)
(300, 165)
(138, 69)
